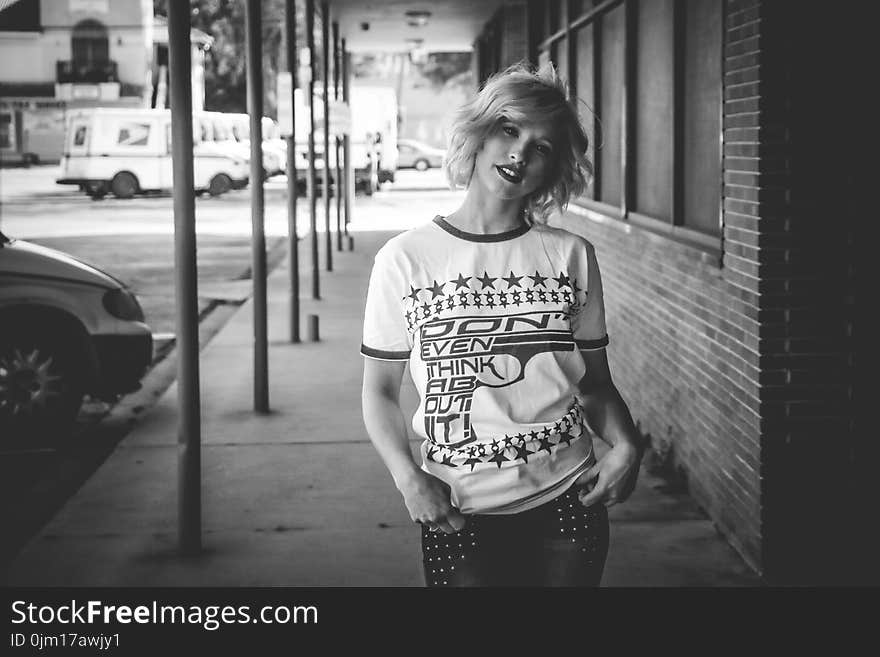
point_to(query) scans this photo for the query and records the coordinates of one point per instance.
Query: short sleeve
(588, 324)
(385, 335)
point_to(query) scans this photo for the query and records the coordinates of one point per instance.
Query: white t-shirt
(491, 326)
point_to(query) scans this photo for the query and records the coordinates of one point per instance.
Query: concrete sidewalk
(299, 497)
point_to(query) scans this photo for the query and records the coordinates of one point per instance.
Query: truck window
(6, 134)
(133, 134)
(79, 135)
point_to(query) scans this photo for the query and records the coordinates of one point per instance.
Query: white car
(67, 329)
(418, 155)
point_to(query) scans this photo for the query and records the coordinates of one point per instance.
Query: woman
(502, 322)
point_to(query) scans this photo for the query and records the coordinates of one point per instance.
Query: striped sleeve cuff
(587, 345)
(379, 354)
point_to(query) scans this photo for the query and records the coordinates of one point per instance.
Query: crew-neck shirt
(492, 326)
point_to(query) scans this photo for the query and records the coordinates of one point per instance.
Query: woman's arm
(616, 472)
(427, 498)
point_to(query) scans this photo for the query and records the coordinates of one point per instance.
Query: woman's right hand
(428, 500)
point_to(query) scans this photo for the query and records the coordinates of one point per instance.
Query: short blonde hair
(522, 94)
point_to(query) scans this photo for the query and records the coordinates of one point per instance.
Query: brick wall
(686, 330)
(743, 374)
(815, 503)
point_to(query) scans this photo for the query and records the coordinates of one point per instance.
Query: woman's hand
(614, 474)
(429, 503)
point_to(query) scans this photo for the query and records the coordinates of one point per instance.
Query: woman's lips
(508, 174)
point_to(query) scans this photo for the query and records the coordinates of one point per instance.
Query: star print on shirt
(461, 282)
(487, 280)
(512, 281)
(545, 444)
(523, 453)
(537, 279)
(562, 280)
(463, 299)
(477, 303)
(426, 308)
(436, 290)
(472, 462)
(566, 438)
(498, 459)
(414, 293)
(447, 460)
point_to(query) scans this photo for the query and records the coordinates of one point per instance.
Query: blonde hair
(522, 94)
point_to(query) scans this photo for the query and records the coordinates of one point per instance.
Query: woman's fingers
(591, 473)
(589, 498)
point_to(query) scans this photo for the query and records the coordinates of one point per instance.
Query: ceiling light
(417, 17)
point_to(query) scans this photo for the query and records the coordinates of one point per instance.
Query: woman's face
(516, 158)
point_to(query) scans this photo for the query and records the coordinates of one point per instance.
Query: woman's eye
(544, 150)
(509, 130)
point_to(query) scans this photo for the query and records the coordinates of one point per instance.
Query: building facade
(730, 292)
(59, 54)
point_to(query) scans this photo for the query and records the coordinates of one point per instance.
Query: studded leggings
(560, 543)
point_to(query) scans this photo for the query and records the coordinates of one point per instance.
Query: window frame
(623, 212)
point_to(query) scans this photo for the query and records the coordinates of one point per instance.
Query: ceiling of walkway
(453, 25)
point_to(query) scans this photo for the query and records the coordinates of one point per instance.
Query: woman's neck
(483, 214)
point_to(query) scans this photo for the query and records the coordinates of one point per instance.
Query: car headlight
(122, 304)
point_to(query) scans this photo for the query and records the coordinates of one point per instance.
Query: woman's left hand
(614, 475)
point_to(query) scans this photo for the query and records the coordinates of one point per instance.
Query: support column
(325, 83)
(346, 143)
(189, 500)
(254, 38)
(310, 179)
(292, 233)
(337, 178)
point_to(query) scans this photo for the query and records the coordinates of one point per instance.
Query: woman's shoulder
(410, 242)
(565, 240)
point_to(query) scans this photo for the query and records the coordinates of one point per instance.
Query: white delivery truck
(128, 151)
(373, 137)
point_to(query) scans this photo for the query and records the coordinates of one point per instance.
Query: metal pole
(339, 187)
(346, 141)
(310, 182)
(189, 501)
(254, 48)
(325, 82)
(292, 234)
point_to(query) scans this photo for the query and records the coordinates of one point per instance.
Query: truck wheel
(41, 389)
(124, 185)
(422, 165)
(220, 184)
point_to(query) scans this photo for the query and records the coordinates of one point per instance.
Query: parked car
(67, 329)
(417, 155)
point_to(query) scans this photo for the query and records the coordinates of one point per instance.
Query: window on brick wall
(701, 120)
(610, 28)
(652, 71)
(654, 145)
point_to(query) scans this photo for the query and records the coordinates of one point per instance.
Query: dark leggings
(559, 543)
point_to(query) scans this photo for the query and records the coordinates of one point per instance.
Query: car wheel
(422, 165)
(41, 389)
(124, 185)
(220, 184)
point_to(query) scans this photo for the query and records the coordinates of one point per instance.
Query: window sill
(708, 246)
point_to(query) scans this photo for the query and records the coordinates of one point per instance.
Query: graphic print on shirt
(479, 347)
